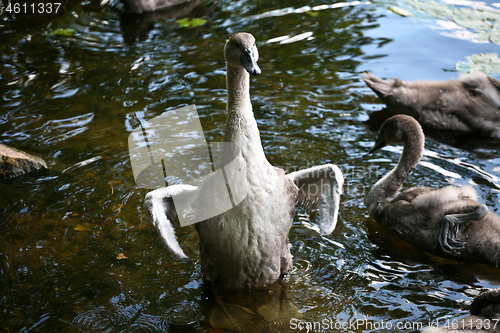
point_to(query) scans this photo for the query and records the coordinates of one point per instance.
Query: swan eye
(248, 58)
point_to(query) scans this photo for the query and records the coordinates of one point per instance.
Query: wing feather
(161, 210)
(320, 187)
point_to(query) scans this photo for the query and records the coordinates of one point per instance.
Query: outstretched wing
(160, 208)
(320, 187)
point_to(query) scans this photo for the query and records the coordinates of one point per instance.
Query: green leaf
(312, 13)
(495, 36)
(81, 228)
(62, 32)
(478, 20)
(191, 23)
(483, 24)
(400, 11)
(431, 8)
(488, 63)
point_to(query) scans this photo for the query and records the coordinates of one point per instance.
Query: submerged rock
(14, 162)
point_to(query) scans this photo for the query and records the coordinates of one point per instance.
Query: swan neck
(238, 89)
(390, 185)
(241, 127)
(412, 153)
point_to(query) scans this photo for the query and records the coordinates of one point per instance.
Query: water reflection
(415, 262)
(117, 316)
(256, 310)
(253, 310)
(136, 27)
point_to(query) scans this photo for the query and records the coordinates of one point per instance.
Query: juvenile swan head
(399, 129)
(241, 51)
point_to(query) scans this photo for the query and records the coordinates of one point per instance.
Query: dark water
(73, 100)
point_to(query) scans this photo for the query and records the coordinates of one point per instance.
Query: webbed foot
(448, 233)
(449, 229)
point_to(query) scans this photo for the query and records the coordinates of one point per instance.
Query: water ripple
(119, 318)
(98, 320)
(289, 10)
(76, 121)
(300, 267)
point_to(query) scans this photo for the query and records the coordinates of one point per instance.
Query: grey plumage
(247, 246)
(447, 222)
(470, 104)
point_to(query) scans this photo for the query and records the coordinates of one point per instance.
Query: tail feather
(382, 88)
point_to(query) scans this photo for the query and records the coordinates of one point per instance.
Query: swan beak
(248, 60)
(379, 144)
